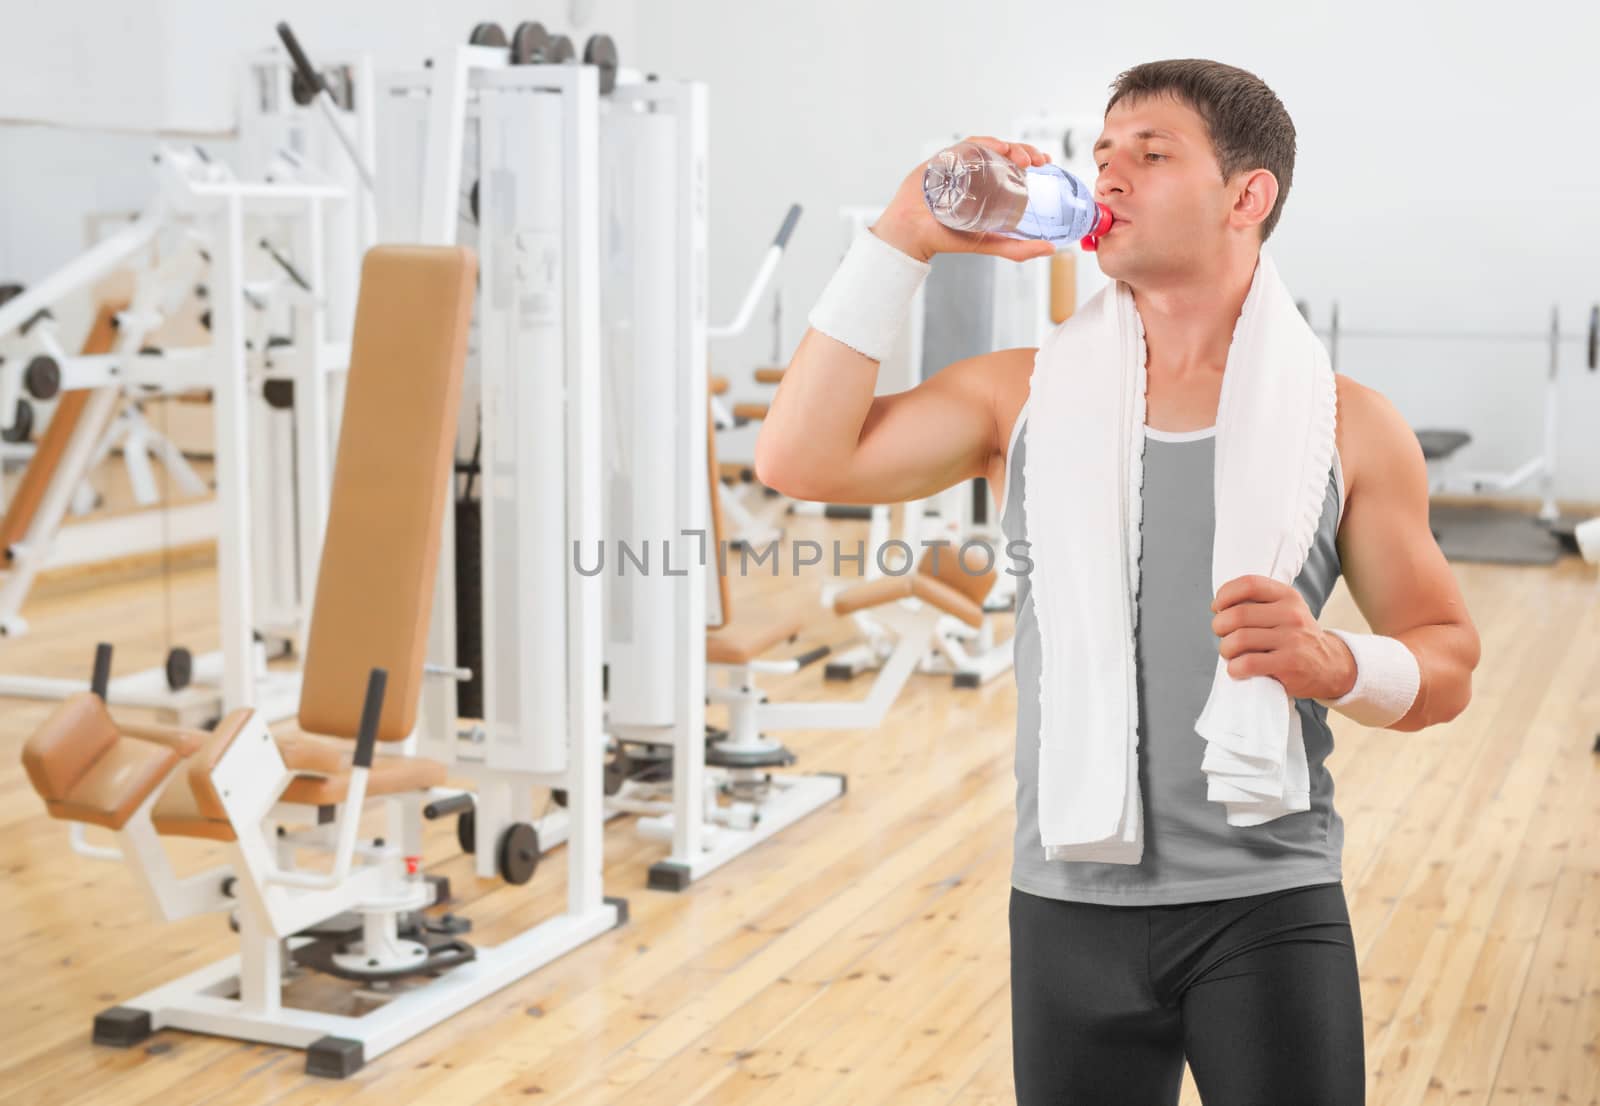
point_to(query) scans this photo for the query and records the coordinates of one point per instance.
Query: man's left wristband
(1388, 678)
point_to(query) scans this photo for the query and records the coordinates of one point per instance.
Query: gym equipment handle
(371, 710)
(769, 265)
(787, 229)
(812, 656)
(301, 62)
(455, 804)
(101, 682)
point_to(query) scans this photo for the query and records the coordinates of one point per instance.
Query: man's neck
(1188, 326)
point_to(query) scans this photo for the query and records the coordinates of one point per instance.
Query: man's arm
(827, 437)
(1394, 568)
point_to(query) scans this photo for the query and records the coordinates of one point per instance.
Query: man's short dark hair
(1249, 127)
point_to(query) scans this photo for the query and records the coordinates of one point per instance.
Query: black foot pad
(665, 875)
(622, 909)
(121, 1027)
(334, 1057)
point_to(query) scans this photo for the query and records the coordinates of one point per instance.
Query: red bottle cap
(1091, 241)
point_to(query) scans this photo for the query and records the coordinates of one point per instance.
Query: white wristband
(1387, 680)
(866, 303)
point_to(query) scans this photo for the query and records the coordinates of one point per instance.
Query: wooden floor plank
(862, 955)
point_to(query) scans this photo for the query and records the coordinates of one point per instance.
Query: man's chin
(1114, 262)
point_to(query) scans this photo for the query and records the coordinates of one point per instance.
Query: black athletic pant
(1259, 993)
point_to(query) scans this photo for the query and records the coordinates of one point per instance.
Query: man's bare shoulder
(1371, 433)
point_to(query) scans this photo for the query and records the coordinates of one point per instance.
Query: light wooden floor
(861, 956)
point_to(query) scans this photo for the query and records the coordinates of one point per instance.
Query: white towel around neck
(1084, 476)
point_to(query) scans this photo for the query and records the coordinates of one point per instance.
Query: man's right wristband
(866, 302)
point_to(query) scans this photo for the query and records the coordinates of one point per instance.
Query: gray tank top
(1191, 854)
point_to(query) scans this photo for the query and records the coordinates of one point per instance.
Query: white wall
(1427, 133)
(1424, 130)
(88, 86)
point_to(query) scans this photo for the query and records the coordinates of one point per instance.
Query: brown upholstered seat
(391, 479)
(86, 771)
(326, 772)
(769, 376)
(381, 547)
(750, 411)
(719, 385)
(190, 805)
(177, 814)
(327, 781)
(374, 590)
(1063, 285)
(957, 588)
(180, 739)
(742, 642)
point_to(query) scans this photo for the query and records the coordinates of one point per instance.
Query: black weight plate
(487, 34)
(42, 377)
(180, 668)
(530, 43)
(616, 774)
(561, 50)
(519, 853)
(466, 831)
(600, 50)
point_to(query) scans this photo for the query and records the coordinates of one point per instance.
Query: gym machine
(497, 143)
(709, 801)
(357, 914)
(273, 258)
(362, 921)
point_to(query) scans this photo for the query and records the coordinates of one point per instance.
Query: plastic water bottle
(971, 188)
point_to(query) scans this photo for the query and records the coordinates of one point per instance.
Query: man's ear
(1257, 193)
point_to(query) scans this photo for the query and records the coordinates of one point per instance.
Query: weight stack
(469, 605)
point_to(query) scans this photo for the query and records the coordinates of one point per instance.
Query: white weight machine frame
(659, 494)
(205, 208)
(537, 383)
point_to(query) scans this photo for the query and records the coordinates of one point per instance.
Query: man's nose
(1109, 181)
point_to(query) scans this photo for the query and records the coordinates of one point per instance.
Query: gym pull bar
(308, 76)
(1554, 335)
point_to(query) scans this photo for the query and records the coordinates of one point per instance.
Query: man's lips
(1091, 242)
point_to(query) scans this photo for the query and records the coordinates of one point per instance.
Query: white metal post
(231, 435)
(586, 855)
(314, 468)
(688, 766)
